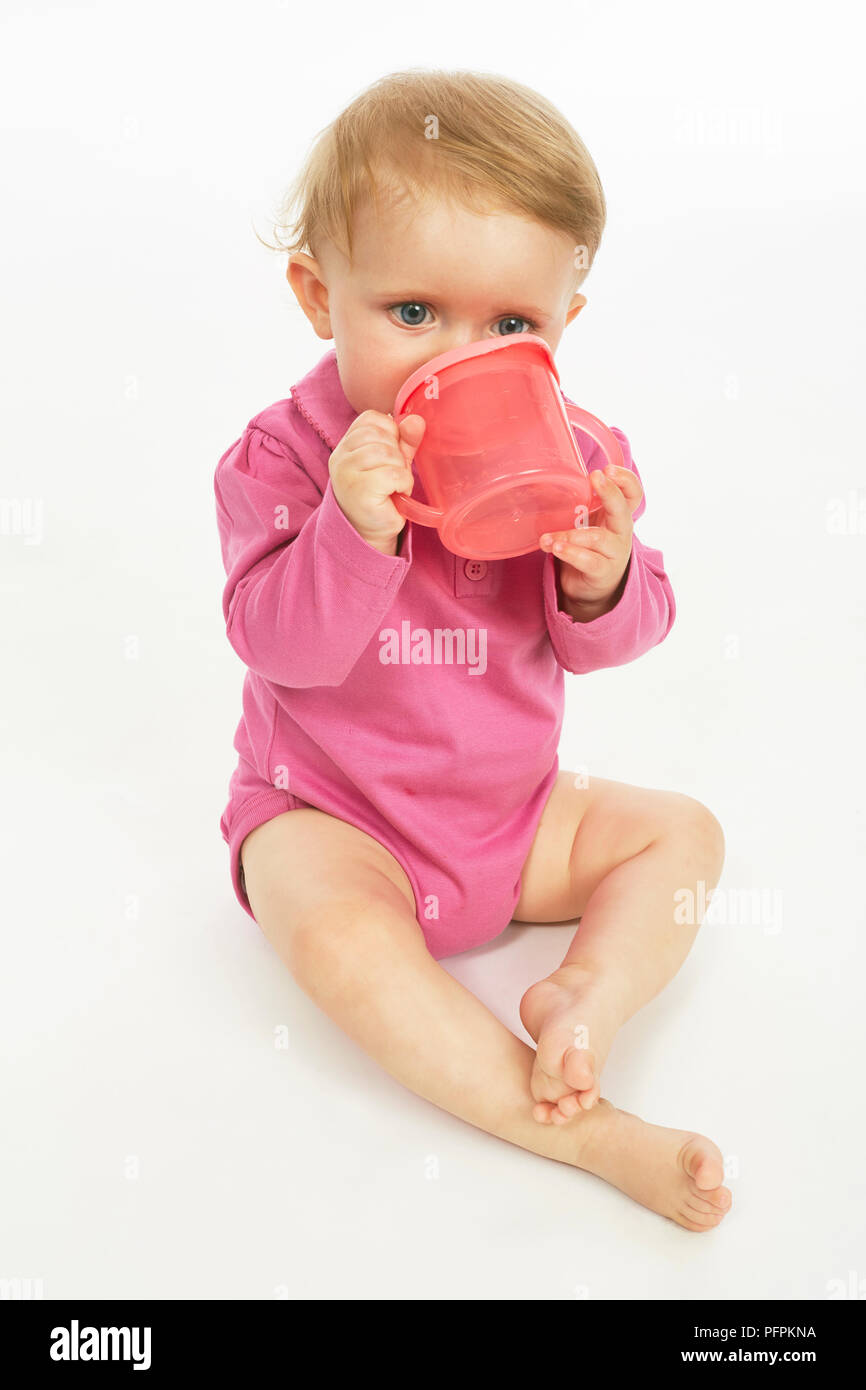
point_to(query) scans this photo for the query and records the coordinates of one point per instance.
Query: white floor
(157, 1141)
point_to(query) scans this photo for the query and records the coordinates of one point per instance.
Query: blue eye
(415, 315)
(515, 318)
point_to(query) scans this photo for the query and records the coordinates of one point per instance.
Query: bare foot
(573, 1020)
(672, 1171)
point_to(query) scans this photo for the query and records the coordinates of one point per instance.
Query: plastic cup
(498, 462)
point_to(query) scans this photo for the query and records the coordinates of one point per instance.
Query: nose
(463, 340)
(454, 342)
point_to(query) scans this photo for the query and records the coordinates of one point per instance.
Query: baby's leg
(615, 856)
(339, 910)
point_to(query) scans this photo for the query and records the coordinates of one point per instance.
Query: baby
(388, 811)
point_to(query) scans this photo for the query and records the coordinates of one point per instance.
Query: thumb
(411, 429)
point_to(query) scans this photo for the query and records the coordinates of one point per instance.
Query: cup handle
(416, 511)
(591, 425)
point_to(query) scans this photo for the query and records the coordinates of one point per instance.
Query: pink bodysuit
(420, 696)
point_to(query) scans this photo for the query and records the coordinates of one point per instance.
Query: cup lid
(463, 354)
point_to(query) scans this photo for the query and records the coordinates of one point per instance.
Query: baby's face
(429, 278)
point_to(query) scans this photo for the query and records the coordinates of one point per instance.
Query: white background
(156, 1141)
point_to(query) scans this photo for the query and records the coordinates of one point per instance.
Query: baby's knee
(704, 832)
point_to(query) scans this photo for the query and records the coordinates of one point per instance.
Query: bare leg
(615, 856)
(339, 911)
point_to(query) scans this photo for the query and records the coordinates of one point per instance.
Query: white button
(475, 569)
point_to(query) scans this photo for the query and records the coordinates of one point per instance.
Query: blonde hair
(479, 139)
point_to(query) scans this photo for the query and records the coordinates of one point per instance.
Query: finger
(387, 433)
(376, 418)
(373, 440)
(628, 482)
(596, 538)
(617, 512)
(376, 454)
(412, 429)
(376, 483)
(386, 480)
(589, 562)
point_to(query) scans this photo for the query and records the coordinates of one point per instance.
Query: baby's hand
(372, 461)
(594, 559)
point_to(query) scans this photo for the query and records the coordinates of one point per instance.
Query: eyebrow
(418, 297)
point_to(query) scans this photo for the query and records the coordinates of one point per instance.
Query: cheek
(368, 379)
(375, 363)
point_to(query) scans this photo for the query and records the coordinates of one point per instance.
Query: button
(475, 569)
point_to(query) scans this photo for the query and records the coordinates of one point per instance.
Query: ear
(304, 275)
(575, 307)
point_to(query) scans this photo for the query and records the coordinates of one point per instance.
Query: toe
(553, 1046)
(578, 1068)
(702, 1161)
(699, 1221)
(545, 1087)
(546, 1081)
(588, 1099)
(542, 1112)
(702, 1211)
(694, 1203)
(720, 1199)
(560, 1067)
(569, 1105)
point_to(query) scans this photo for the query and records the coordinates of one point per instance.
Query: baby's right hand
(371, 461)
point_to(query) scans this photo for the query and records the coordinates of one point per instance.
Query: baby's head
(438, 209)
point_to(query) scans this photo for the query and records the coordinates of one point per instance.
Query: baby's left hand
(594, 558)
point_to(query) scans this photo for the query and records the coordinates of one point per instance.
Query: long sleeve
(641, 619)
(305, 593)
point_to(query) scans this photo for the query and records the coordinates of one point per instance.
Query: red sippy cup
(499, 461)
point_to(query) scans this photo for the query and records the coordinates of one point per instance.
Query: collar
(322, 401)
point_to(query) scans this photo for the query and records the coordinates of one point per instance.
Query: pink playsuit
(417, 696)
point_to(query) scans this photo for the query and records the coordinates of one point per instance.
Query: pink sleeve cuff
(642, 617)
(606, 625)
(364, 562)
